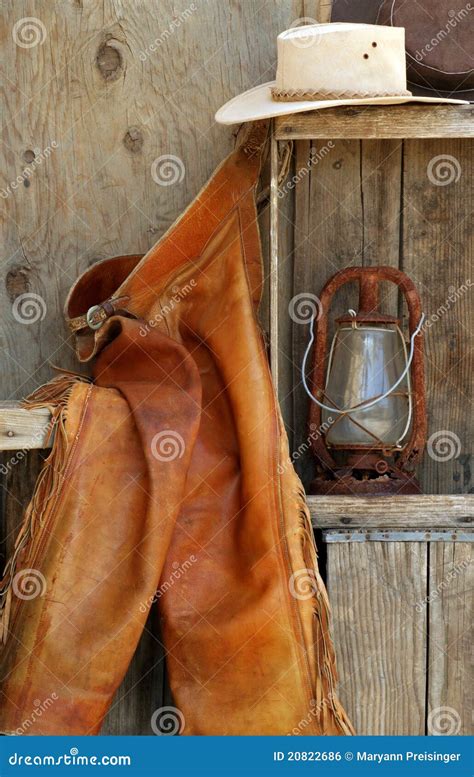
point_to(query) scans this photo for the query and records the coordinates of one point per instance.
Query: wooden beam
(450, 622)
(375, 121)
(427, 511)
(380, 634)
(22, 429)
(274, 261)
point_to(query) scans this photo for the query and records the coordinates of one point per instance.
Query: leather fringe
(55, 397)
(326, 679)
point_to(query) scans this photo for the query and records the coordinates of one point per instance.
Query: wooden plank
(302, 285)
(426, 511)
(370, 121)
(286, 207)
(438, 255)
(380, 196)
(328, 237)
(274, 261)
(22, 429)
(379, 634)
(450, 607)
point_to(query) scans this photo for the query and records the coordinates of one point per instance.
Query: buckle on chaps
(91, 317)
(98, 314)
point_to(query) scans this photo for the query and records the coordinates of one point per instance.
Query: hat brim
(257, 103)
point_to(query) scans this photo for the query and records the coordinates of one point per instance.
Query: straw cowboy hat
(326, 65)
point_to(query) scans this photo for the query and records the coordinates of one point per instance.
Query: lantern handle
(371, 402)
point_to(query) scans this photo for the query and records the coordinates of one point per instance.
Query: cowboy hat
(326, 65)
(438, 40)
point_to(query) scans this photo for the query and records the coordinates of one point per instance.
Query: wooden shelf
(22, 429)
(375, 121)
(424, 512)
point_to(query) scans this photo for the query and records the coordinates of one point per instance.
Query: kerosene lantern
(367, 414)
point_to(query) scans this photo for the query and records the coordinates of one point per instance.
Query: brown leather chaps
(169, 485)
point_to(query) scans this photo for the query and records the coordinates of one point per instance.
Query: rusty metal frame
(369, 279)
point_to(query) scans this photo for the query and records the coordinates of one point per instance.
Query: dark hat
(439, 40)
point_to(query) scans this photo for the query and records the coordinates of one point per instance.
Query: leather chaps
(169, 485)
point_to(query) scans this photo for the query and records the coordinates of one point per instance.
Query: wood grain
(450, 639)
(437, 253)
(398, 512)
(22, 429)
(328, 237)
(379, 634)
(366, 121)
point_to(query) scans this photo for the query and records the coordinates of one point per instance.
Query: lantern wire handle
(369, 403)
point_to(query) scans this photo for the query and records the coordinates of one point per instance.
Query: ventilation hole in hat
(374, 45)
(366, 56)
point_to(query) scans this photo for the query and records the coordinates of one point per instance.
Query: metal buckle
(90, 317)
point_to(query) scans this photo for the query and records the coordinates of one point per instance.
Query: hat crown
(342, 58)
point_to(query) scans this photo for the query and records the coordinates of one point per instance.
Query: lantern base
(350, 482)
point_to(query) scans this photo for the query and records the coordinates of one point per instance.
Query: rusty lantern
(367, 414)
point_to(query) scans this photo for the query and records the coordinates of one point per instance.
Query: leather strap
(97, 314)
(290, 95)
